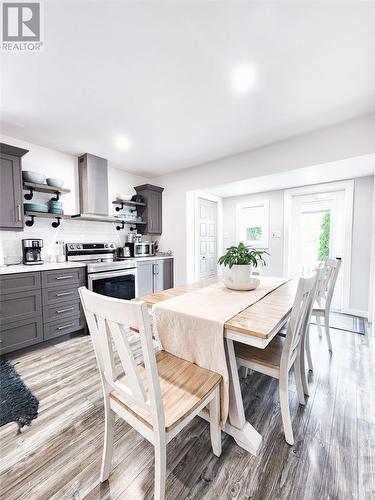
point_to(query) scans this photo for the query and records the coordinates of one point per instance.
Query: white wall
(56, 164)
(346, 140)
(361, 244)
(274, 261)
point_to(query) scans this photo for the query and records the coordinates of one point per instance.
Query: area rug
(17, 402)
(345, 322)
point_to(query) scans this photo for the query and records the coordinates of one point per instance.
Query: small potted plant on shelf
(239, 261)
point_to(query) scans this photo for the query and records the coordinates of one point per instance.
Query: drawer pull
(62, 294)
(65, 310)
(63, 277)
(65, 326)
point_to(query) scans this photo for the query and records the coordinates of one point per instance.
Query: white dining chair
(159, 396)
(284, 353)
(322, 305)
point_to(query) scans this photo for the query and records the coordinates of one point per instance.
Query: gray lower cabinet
(21, 334)
(154, 276)
(20, 306)
(163, 274)
(47, 307)
(65, 277)
(13, 283)
(145, 278)
(11, 202)
(61, 294)
(62, 327)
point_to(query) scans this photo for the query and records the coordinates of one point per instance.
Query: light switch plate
(276, 234)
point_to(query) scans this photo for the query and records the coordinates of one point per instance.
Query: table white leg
(243, 433)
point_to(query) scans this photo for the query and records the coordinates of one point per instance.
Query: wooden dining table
(256, 326)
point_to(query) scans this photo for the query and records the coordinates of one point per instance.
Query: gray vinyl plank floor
(333, 456)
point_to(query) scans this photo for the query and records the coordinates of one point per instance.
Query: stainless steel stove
(106, 274)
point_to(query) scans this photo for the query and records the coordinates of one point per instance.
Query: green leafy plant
(242, 255)
(325, 228)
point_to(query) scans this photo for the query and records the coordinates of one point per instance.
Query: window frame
(264, 242)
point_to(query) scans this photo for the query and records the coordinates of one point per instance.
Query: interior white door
(207, 239)
(318, 233)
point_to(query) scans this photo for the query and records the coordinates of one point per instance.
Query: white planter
(239, 278)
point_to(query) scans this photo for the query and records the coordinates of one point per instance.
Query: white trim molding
(348, 188)
(371, 305)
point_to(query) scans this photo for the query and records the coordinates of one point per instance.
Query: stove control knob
(106, 245)
(71, 247)
(112, 245)
(79, 247)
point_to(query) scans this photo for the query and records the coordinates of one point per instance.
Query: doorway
(207, 238)
(318, 222)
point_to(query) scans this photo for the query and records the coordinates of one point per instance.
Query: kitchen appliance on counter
(32, 251)
(106, 274)
(124, 252)
(144, 249)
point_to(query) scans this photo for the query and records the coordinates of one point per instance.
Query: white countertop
(152, 257)
(22, 268)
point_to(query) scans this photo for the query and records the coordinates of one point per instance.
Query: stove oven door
(117, 284)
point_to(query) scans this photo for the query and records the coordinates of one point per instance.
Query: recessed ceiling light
(122, 142)
(243, 78)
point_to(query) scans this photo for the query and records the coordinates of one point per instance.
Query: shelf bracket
(30, 222)
(132, 228)
(57, 197)
(29, 196)
(121, 227)
(120, 207)
(57, 223)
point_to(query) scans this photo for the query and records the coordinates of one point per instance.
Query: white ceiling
(160, 73)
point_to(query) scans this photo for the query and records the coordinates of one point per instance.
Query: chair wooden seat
(183, 386)
(270, 356)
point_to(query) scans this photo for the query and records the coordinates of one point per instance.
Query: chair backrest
(112, 323)
(327, 285)
(299, 318)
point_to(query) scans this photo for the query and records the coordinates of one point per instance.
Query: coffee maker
(32, 251)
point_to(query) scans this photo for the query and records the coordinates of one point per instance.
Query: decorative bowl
(34, 177)
(57, 183)
(123, 197)
(35, 207)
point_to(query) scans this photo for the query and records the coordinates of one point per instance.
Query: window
(253, 223)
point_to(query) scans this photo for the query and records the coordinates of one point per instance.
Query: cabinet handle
(65, 326)
(19, 216)
(62, 294)
(65, 310)
(63, 277)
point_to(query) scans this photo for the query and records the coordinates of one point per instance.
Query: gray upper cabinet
(11, 203)
(152, 213)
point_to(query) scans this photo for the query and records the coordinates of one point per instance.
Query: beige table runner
(191, 326)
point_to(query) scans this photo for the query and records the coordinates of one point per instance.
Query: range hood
(93, 189)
